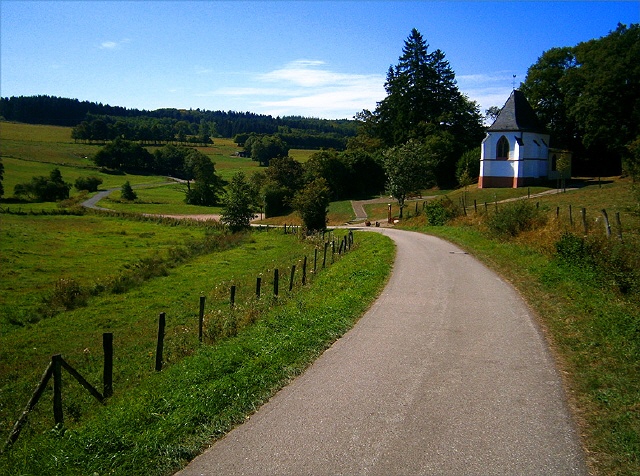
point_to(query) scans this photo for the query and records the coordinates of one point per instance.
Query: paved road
(447, 374)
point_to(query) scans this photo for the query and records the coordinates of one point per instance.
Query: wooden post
(528, 192)
(17, 428)
(486, 208)
(324, 259)
(160, 344)
(570, 216)
(233, 296)
(275, 282)
(619, 224)
(107, 372)
(607, 226)
(304, 271)
(201, 318)
(293, 273)
(258, 284)
(584, 221)
(81, 380)
(57, 389)
(557, 212)
(475, 205)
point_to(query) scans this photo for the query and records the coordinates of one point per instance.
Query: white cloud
(112, 45)
(488, 89)
(308, 88)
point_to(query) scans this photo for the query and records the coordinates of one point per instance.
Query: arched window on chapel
(502, 149)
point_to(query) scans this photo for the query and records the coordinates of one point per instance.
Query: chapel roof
(517, 115)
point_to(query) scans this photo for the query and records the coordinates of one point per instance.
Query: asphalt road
(446, 374)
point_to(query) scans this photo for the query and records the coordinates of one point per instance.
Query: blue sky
(310, 58)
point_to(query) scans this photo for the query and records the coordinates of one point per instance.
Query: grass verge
(157, 426)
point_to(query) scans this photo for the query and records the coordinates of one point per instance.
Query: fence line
(57, 363)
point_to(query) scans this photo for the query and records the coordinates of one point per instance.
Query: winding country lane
(446, 374)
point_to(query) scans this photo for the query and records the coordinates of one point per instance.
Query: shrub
(66, 295)
(614, 264)
(439, 212)
(44, 189)
(90, 184)
(513, 218)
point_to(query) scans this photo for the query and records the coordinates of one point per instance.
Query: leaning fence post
(17, 428)
(57, 389)
(107, 372)
(201, 318)
(607, 226)
(160, 345)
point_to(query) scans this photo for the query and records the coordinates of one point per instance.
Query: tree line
(52, 110)
(588, 96)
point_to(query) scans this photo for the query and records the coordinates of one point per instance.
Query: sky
(324, 59)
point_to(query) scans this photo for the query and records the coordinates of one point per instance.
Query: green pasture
(278, 346)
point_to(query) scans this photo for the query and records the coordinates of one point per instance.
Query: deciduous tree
(238, 203)
(312, 203)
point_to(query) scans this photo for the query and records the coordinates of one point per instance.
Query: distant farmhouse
(516, 153)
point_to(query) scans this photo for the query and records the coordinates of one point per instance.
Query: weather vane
(513, 83)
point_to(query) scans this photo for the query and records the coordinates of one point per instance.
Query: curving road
(446, 374)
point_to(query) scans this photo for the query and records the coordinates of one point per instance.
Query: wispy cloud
(309, 88)
(112, 45)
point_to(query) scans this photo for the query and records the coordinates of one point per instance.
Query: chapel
(515, 152)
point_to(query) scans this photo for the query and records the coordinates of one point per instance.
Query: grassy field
(136, 433)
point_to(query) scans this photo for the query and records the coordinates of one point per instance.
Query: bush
(90, 184)
(513, 218)
(439, 212)
(613, 264)
(44, 189)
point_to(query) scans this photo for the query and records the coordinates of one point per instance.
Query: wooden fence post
(475, 205)
(324, 259)
(17, 428)
(160, 345)
(275, 282)
(258, 284)
(201, 318)
(57, 389)
(570, 216)
(233, 296)
(107, 372)
(304, 271)
(315, 260)
(607, 226)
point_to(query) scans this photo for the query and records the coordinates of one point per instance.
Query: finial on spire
(513, 83)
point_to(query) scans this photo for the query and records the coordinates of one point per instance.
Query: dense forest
(97, 122)
(588, 97)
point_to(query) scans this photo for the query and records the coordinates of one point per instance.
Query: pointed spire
(517, 115)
